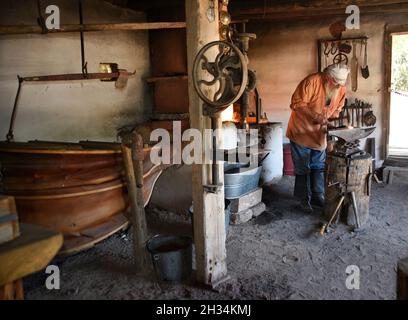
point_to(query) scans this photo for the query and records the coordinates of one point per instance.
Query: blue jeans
(305, 159)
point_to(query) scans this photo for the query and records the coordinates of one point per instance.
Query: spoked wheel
(220, 74)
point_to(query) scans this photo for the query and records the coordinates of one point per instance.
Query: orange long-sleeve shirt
(311, 93)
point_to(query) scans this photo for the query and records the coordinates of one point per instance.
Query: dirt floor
(278, 255)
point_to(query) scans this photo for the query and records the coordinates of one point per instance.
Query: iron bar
(10, 134)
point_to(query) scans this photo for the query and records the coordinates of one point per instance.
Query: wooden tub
(75, 188)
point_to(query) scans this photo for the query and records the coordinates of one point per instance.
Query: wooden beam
(209, 222)
(259, 7)
(324, 13)
(34, 29)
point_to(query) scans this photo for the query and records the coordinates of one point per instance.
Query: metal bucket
(239, 179)
(172, 257)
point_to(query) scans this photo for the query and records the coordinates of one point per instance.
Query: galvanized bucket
(172, 257)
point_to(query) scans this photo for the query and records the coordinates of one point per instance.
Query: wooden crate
(9, 228)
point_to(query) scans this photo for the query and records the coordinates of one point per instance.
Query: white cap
(338, 72)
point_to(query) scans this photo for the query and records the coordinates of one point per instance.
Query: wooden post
(209, 222)
(134, 176)
(402, 284)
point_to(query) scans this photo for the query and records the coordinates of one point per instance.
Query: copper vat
(74, 188)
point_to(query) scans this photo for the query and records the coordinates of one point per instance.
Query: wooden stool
(29, 253)
(388, 173)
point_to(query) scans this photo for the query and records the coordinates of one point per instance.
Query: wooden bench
(388, 173)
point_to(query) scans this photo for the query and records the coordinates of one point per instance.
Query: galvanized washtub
(77, 189)
(240, 179)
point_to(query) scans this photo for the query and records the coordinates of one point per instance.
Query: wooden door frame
(390, 30)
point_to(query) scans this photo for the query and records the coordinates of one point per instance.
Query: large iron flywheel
(220, 74)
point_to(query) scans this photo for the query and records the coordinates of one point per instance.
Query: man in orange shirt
(318, 98)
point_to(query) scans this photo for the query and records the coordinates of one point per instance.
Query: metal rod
(214, 150)
(75, 76)
(10, 134)
(84, 66)
(354, 201)
(244, 109)
(40, 19)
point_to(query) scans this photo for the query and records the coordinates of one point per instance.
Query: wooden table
(32, 251)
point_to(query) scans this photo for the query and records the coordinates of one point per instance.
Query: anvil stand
(347, 150)
(345, 193)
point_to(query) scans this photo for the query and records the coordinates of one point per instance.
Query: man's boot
(317, 184)
(303, 192)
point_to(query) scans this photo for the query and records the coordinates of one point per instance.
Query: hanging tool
(345, 47)
(352, 114)
(354, 69)
(334, 48)
(40, 19)
(369, 119)
(358, 113)
(340, 58)
(365, 72)
(326, 53)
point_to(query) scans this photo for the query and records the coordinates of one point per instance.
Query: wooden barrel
(75, 188)
(347, 175)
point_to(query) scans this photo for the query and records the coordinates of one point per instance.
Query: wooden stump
(360, 176)
(402, 282)
(345, 176)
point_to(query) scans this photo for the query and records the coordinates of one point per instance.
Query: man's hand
(330, 126)
(319, 119)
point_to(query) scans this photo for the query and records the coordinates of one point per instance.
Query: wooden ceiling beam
(262, 7)
(34, 29)
(387, 9)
